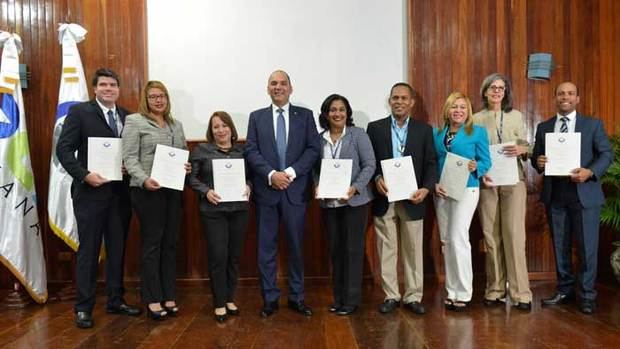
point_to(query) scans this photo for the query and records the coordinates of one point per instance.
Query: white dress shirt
(274, 110)
(572, 119)
(117, 120)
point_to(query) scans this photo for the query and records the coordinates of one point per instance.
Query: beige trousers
(411, 232)
(502, 215)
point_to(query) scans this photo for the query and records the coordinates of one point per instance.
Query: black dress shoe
(334, 307)
(156, 315)
(346, 310)
(84, 319)
(221, 318)
(558, 298)
(300, 307)
(172, 311)
(415, 307)
(588, 306)
(492, 302)
(388, 306)
(524, 306)
(123, 309)
(269, 308)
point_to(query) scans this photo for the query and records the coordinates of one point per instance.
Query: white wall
(217, 54)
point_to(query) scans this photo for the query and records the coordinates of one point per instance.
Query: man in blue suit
(573, 203)
(281, 148)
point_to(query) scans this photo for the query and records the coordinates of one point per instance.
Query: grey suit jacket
(140, 138)
(356, 146)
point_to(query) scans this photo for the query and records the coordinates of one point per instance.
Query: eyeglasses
(156, 97)
(497, 88)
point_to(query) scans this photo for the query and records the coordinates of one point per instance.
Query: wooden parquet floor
(51, 326)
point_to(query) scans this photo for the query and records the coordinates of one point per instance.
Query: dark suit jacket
(420, 146)
(262, 156)
(596, 155)
(86, 120)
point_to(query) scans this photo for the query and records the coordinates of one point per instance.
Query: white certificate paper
(399, 178)
(563, 151)
(229, 179)
(105, 157)
(454, 176)
(335, 178)
(505, 170)
(169, 166)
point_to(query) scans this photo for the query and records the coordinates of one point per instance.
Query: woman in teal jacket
(461, 137)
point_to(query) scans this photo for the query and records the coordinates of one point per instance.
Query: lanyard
(500, 131)
(333, 151)
(401, 140)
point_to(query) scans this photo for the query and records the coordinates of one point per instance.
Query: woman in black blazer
(346, 218)
(224, 223)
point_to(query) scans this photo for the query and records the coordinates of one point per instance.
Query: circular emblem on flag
(228, 165)
(9, 115)
(19, 161)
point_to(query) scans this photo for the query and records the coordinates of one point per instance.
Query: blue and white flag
(21, 247)
(73, 89)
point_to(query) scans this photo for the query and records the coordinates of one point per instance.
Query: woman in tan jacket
(502, 208)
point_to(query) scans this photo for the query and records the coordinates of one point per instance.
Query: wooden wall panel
(451, 45)
(454, 44)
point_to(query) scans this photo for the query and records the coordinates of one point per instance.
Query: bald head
(566, 98)
(279, 87)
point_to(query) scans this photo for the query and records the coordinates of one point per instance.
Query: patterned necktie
(281, 139)
(564, 126)
(112, 122)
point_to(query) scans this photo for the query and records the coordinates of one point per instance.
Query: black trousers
(225, 234)
(346, 229)
(97, 219)
(160, 214)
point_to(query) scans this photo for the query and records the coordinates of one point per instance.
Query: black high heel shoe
(220, 318)
(172, 311)
(231, 311)
(156, 315)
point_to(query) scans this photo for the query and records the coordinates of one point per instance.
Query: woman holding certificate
(463, 152)
(224, 219)
(159, 208)
(345, 214)
(502, 207)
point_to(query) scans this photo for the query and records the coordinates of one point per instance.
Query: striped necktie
(112, 122)
(564, 126)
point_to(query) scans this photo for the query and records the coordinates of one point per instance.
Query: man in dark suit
(573, 203)
(102, 207)
(282, 146)
(393, 137)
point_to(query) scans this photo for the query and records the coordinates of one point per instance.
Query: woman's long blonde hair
(469, 122)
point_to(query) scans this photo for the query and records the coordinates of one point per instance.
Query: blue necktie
(112, 122)
(281, 139)
(564, 126)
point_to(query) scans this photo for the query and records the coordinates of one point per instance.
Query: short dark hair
(327, 103)
(402, 84)
(486, 83)
(226, 119)
(555, 91)
(107, 72)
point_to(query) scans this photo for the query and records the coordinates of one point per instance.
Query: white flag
(21, 247)
(73, 89)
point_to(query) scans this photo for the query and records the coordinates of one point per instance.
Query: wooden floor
(51, 326)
